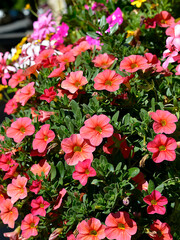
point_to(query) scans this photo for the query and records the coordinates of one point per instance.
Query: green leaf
(151, 186)
(153, 104)
(76, 110)
(102, 21)
(133, 171)
(53, 171)
(160, 188)
(114, 29)
(60, 167)
(115, 117)
(92, 34)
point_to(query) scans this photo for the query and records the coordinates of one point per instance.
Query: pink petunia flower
(8, 214)
(120, 226)
(35, 187)
(42, 138)
(82, 47)
(164, 121)
(163, 148)
(38, 206)
(25, 93)
(49, 95)
(164, 19)
(74, 82)
(58, 72)
(28, 226)
(77, 149)
(133, 63)
(6, 162)
(96, 128)
(66, 58)
(55, 234)
(83, 171)
(16, 78)
(90, 230)
(11, 106)
(156, 203)
(160, 231)
(11, 173)
(17, 189)
(59, 199)
(108, 80)
(42, 166)
(44, 115)
(104, 60)
(19, 129)
(14, 235)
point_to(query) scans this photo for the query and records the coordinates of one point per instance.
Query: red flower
(35, 187)
(49, 95)
(6, 162)
(134, 63)
(16, 78)
(164, 19)
(156, 203)
(160, 231)
(96, 128)
(164, 121)
(59, 199)
(42, 138)
(108, 80)
(90, 230)
(83, 171)
(38, 206)
(150, 23)
(77, 149)
(162, 148)
(120, 226)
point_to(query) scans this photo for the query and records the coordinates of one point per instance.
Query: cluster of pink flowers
(162, 147)
(5, 70)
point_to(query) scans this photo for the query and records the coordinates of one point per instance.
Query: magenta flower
(38, 206)
(156, 203)
(62, 32)
(115, 17)
(163, 148)
(83, 170)
(160, 231)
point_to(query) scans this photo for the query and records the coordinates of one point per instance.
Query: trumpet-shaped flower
(74, 82)
(11, 106)
(49, 95)
(108, 80)
(42, 138)
(164, 121)
(96, 128)
(16, 78)
(19, 129)
(83, 171)
(120, 226)
(134, 63)
(77, 149)
(29, 225)
(8, 214)
(90, 230)
(42, 166)
(160, 231)
(58, 72)
(164, 19)
(17, 189)
(59, 199)
(38, 206)
(104, 60)
(6, 162)
(163, 148)
(24, 94)
(156, 203)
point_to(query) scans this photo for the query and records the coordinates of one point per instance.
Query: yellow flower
(154, 5)
(1, 96)
(2, 87)
(27, 7)
(129, 33)
(138, 3)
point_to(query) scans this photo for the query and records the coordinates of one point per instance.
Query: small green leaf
(102, 21)
(160, 188)
(114, 29)
(53, 171)
(133, 171)
(92, 34)
(151, 186)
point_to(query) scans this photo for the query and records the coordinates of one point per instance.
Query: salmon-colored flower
(8, 214)
(164, 19)
(66, 57)
(17, 189)
(74, 82)
(42, 138)
(6, 162)
(156, 203)
(108, 80)
(38, 206)
(24, 94)
(104, 60)
(83, 171)
(16, 78)
(28, 226)
(134, 63)
(77, 149)
(42, 166)
(49, 95)
(82, 47)
(58, 72)
(14, 235)
(120, 226)
(164, 121)
(90, 230)
(19, 129)
(11, 106)
(160, 231)
(44, 55)
(96, 128)
(44, 115)
(59, 199)
(163, 148)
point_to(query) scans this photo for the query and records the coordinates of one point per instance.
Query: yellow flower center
(154, 202)
(162, 148)
(99, 129)
(22, 189)
(163, 123)
(77, 149)
(46, 138)
(32, 225)
(108, 82)
(134, 65)
(93, 232)
(41, 205)
(121, 226)
(77, 84)
(22, 129)
(87, 171)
